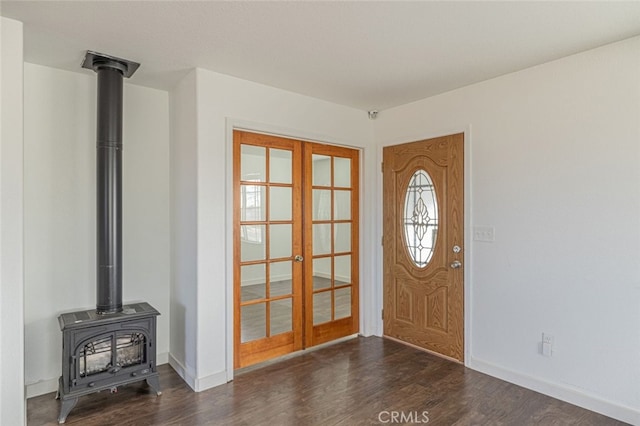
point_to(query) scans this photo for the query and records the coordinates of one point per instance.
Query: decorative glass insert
(420, 218)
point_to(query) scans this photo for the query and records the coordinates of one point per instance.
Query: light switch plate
(484, 233)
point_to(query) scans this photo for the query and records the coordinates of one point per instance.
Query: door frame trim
(367, 312)
(468, 288)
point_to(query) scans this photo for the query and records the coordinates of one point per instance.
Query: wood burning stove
(112, 345)
(101, 352)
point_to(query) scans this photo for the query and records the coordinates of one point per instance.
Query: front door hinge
(382, 241)
(382, 167)
(382, 314)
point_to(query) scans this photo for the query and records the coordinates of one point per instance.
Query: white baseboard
(211, 381)
(162, 358)
(51, 385)
(197, 384)
(559, 391)
(42, 387)
(182, 372)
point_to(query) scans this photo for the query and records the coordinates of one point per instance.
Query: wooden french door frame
(247, 353)
(340, 274)
(316, 334)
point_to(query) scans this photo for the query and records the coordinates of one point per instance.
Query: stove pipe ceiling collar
(110, 71)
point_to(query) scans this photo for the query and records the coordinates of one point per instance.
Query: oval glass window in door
(420, 218)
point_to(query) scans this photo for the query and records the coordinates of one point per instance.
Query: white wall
(184, 218)
(555, 169)
(223, 102)
(60, 194)
(12, 405)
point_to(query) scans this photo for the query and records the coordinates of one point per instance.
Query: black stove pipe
(109, 194)
(110, 73)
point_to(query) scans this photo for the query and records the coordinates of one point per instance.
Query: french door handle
(298, 258)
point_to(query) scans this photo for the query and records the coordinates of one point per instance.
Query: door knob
(456, 264)
(298, 258)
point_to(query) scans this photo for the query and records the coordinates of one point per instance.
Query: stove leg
(154, 384)
(67, 406)
(59, 391)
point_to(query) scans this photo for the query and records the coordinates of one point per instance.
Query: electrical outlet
(484, 233)
(547, 344)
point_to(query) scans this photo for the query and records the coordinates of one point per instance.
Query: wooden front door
(424, 244)
(295, 245)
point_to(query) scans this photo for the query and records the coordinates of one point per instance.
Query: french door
(295, 245)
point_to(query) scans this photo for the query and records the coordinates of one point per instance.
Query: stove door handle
(114, 370)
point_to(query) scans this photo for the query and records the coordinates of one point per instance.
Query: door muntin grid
(331, 234)
(266, 242)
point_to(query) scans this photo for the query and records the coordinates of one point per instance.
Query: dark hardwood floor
(356, 382)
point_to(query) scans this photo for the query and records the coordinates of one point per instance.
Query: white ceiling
(369, 55)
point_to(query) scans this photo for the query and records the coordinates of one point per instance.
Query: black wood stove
(112, 345)
(101, 352)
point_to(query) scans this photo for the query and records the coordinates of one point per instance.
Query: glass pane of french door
(331, 223)
(267, 237)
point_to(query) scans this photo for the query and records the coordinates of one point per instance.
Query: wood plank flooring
(356, 382)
